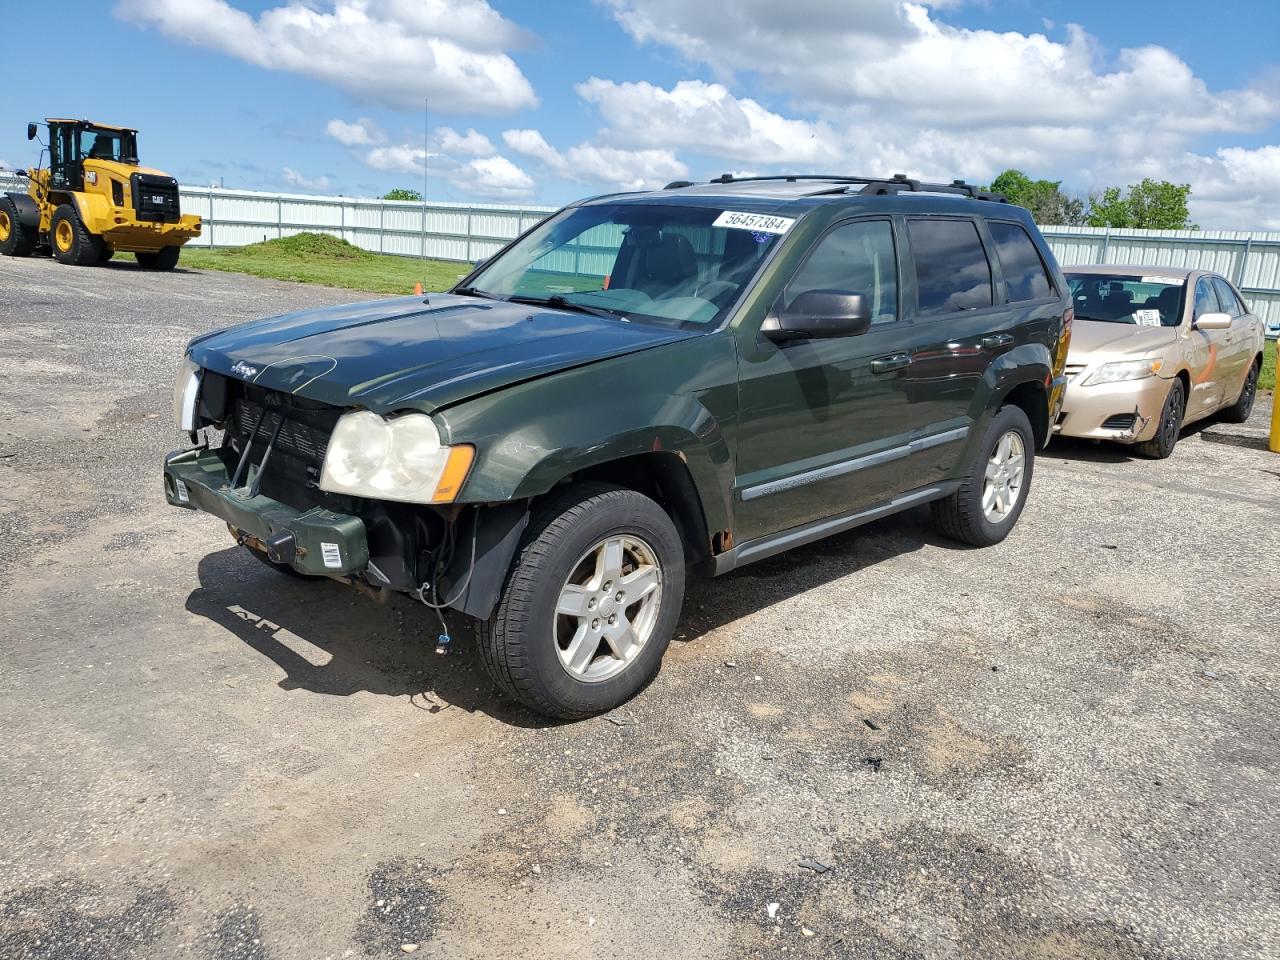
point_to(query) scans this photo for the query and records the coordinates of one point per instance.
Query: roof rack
(898, 183)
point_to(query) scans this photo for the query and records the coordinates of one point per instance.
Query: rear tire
(991, 496)
(617, 556)
(1239, 411)
(165, 259)
(15, 240)
(72, 242)
(1161, 445)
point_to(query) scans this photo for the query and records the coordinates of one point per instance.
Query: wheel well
(663, 478)
(1185, 377)
(1033, 401)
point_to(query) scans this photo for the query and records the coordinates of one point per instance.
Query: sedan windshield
(677, 266)
(1151, 301)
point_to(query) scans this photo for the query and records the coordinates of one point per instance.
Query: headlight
(399, 459)
(1124, 370)
(186, 387)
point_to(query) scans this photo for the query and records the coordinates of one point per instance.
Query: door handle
(997, 340)
(890, 363)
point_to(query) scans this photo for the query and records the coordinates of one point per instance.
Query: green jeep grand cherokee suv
(642, 384)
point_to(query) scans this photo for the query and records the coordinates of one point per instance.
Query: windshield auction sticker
(1171, 281)
(758, 222)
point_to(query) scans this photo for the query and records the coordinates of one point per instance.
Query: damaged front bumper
(317, 542)
(1126, 412)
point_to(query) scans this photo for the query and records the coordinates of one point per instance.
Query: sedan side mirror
(1213, 321)
(31, 131)
(19, 173)
(819, 314)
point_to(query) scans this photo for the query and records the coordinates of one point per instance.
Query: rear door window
(1025, 276)
(952, 272)
(1227, 297)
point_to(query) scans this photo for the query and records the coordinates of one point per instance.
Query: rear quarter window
(1025, 275)
(952, 272)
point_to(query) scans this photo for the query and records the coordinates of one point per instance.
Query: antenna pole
(426, 154)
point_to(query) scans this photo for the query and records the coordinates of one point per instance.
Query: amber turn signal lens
(455, 472)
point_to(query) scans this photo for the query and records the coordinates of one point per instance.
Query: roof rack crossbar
(898, 183)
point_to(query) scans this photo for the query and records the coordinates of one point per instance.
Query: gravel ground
(1062, 747)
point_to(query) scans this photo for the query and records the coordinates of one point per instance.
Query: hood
(414, 352)
(1090, 338)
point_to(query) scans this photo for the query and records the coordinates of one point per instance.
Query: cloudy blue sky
(541, 102)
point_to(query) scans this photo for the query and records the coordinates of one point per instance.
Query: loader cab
(71, 142)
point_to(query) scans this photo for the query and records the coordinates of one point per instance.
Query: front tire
(590, 603)
(15, 240)
(72, 242)
(1160, 447)
(1239, 411)
(165, 259)
(994, 490)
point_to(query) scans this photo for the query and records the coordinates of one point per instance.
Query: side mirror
(20, 173)
(31, 131)
(479, 263)
(1213, 321)
(819, 314)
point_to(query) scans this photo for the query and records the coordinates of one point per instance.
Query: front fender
(94, 210)
(670, 399)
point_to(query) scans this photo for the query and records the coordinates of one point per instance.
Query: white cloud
(592, 163)
(398, 158)
(707, 118)
(394, 52)
(362, 132)
(884, 86)
(470, 143)
(494, 177)
(295, 179)
(469, 162)
(531, 143)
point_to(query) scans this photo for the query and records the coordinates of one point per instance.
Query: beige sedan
(1154, 349)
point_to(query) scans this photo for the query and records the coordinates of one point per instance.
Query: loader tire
(165, 259)
(72, 241)
(15, 240)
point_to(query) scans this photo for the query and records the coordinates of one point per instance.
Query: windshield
(677, 266)
(108, 145)
(1152, 301)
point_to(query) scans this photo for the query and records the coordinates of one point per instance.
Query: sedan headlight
(1124, 370)
(398, 459)
(186, 388)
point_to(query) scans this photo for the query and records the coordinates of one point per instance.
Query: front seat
(1167, 304)
(668, 268)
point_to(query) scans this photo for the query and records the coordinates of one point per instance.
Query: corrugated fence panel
(466, 232)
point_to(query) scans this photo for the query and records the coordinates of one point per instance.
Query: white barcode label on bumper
(332, 555)
(184, 496)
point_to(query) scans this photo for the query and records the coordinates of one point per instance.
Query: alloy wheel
(608, 608)
(1002, 482)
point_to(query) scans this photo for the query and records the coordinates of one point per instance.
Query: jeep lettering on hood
(408, 351)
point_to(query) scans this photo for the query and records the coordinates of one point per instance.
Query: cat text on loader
(93, 200)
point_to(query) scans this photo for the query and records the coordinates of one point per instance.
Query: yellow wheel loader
(93, 200)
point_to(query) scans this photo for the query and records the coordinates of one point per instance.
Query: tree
(400, 193)
(1044, 198)
(1150, 205)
